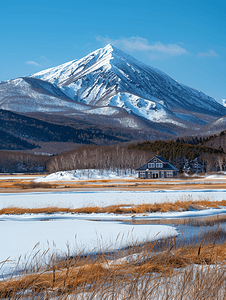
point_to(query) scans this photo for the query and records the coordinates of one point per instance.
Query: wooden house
(157, 167)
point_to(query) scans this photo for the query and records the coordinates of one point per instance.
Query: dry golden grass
(25, 184)
(147, 275)
(185, 205)
(33, 185)
(122, 184)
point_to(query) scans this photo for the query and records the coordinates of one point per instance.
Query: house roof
(166, 165)
(160, 158)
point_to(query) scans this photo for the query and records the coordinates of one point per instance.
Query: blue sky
(186, 40)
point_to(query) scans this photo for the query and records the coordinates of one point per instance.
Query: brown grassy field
(26, 185)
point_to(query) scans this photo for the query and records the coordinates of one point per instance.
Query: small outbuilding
(157, 167)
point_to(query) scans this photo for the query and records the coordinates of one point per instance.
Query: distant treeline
(217, 141)
(16, 162)
(186, 157)
(99, 157)
(84, 157)
(171, 149)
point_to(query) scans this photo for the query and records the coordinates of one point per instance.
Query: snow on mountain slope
(215, 127)
(53, 74)
(27, 94)
(148, 109)
(106, 75)
(31, 94)
(221, 101)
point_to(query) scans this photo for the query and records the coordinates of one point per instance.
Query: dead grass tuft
(33, 185)
(123, 208)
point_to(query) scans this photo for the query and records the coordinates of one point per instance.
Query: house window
(169, 174)
(142, 174)
(159, 165)
(155, 160)
(151, 165)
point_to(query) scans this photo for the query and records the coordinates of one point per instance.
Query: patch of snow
(5, 177)
(83, 174)
(139, 106)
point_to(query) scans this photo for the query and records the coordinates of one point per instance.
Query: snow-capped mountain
(108, 76)
(111, 87)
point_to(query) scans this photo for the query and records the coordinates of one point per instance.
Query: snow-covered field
(11, 177)
(80, 199)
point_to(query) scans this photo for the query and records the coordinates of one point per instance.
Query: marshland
(112, 243)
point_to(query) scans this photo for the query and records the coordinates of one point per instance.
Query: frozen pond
(103, 198)
(21, 234)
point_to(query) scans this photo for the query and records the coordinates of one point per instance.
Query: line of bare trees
(96, 157)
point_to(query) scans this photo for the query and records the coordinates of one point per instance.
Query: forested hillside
(171, 150)
(217, 141)
(18, 132)
(9, 141)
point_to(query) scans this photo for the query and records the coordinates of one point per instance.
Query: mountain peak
(104, 76)
(109, 47)
(109, 51)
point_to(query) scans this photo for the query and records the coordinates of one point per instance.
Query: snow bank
(85, 174)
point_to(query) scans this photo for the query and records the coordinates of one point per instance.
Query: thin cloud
(44, 59)
(141, 44)
(210, 53)
(34, 63)
(43, 62)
